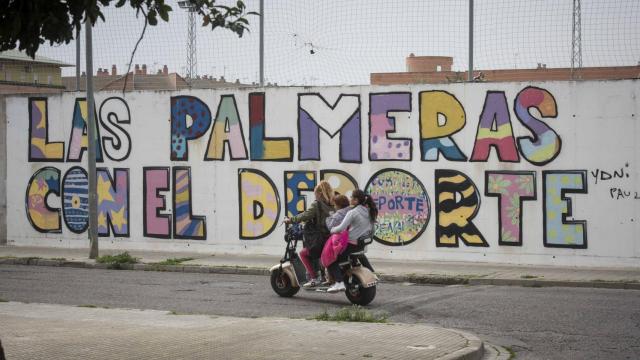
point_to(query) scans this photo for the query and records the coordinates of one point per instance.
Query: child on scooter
(315, 230)
(333, 247)
(359, 221)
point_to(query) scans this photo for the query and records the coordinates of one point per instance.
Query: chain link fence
(341, 42)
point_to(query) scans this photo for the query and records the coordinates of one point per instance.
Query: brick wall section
(9, 89)
(548, 74)
(428, 63)
(3, 172)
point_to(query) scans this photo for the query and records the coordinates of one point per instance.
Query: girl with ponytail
(359, 221)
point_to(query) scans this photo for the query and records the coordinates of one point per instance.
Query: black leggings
(334, 268)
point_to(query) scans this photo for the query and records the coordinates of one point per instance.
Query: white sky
(351, 39)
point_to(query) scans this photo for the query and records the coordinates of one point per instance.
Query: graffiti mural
(295, 183)
(42, 217)
(75, 200)
(494, 130)
(403, 205)
(519, 147)
(183, 107)
(155, 224)
(545, 144)
(259, 204)
(227, 129)
(381, 147)
(511, 189)
(261, 147)
(78, 141)
(315, 114)
(457, 203)
(113, 202)
(185, 224)
(557, 208)
(114, 113)
(40, 149)
(340, 181)
(436, 138)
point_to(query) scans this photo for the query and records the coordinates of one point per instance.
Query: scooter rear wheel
(281, 284)
(357, 294)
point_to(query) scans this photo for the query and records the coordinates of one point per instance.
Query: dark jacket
(316, 232)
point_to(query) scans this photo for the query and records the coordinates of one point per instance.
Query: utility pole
(91, 153)
(192, 67)
(470, 40)
(78, 60)
(261, 42)
(576, 42)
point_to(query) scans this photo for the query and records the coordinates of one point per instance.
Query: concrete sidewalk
(43, 331)
(435, 272)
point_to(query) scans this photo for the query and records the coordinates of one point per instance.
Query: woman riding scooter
(315, 231)
(360, 222)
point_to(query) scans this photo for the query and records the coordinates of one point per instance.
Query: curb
(473, 351)
(558, 283)
(240, 270)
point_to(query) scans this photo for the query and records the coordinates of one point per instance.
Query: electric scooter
(359, 281)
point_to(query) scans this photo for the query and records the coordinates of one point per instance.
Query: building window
(439, 68)
(28, 68)
(35, 78)
(49, 79)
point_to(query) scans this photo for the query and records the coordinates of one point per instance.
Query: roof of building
(16, 55)
(135, 82)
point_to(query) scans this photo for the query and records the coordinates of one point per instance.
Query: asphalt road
(536, 323)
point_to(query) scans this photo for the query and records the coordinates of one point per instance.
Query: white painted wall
(597, 121)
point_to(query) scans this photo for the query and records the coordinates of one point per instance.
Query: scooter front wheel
(358, 294)
(281, 283)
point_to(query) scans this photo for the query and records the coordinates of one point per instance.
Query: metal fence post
(91, 153)
(261, 42)
(78, 59)
(470, 40)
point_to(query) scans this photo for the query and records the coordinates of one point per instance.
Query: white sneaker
(337, 287)
(312, 283)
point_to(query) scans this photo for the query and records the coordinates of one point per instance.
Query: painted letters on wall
(316, 114)
(42, 217)
(381, 147)
(558, 230)
(40, 149)
(525, 153)
(511, 188)
(403, 206)
(113, 202)
(457, 204)
(259, 204)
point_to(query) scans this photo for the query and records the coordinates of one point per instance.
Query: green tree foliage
(27, 24)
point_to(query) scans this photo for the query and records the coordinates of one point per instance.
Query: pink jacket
(334, 246)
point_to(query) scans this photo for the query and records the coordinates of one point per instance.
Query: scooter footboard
(366, 277)
(288, 269)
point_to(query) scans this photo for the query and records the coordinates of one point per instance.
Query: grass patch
(173, 261)
(59, 259)
(529, 277)
(116, 261)
(512, 354)
(7, 257)
(3, 300)
(355, 313)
